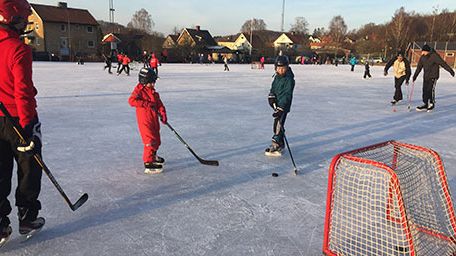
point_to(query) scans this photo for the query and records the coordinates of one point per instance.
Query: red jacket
(16, 87)
(147, 102)
(125, 60)
(154, 62)
(119, 58)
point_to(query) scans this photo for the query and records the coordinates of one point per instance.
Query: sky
(226, 17)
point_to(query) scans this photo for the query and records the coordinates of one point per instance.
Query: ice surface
(92, 145)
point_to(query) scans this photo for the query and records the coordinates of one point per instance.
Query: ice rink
(92, 145)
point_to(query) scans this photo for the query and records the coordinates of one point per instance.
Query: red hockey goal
(390, 198)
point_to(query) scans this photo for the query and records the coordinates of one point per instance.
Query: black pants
(108, 66)
(278, 128)
(226, 68)
(352, 68)
(156, 70)
(28, 172)
(429, 91)
(126, 68)
(367, 74)
(398, 90)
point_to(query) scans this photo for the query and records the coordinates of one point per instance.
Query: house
(290, 42)
(446, 50)
(170, 41)
(62, 32)
(195, 38)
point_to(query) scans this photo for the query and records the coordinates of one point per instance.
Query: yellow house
(62, 32)
(289, 41)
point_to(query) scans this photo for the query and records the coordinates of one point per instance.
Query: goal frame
(349, 155)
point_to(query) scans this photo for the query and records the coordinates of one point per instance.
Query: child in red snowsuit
(149, 108)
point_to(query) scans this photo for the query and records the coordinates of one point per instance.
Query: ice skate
(273, 150)
(153, 168)
(394, 102)
(29, 223)
(5, 231)
(430, 107)
(422, 108)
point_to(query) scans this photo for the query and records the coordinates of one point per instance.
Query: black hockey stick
(206, 162)
(19, 131)
(295, 170)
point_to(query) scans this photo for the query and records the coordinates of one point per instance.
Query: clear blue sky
(226, 17)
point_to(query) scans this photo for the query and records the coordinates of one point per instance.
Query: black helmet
(147, 75)
(282, 61)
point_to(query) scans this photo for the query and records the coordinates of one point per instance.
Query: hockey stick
(19, 131)
(206, 162)
(410, 96)
(295, 170)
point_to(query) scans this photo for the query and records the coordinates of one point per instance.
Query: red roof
(111, 38)
(64, 15)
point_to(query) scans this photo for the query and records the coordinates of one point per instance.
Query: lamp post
(251, 43)
(283, 15)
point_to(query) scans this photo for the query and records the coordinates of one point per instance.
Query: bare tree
(319, 32)
(142, 20)
(253, 24)
(337, 29)
(177, 30)
(300, 26)
(399, 28)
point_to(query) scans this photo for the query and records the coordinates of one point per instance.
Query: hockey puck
(274, 174)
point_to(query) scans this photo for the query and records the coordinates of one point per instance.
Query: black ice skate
(394, 102)
(430, 107)
(159, 160)
(29, 223)
(153, 168)
(5, 231)
(273, 150)
(422, 108)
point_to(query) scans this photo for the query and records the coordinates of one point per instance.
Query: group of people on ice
(18, 105)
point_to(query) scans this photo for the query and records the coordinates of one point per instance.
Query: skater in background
(280, 97)
(108, 62)
(125, 65)
(225, 61)
(262, 62)
(154, 63)
(17, 93)
(145, 59)
(149, 108)
(402, 72)
(353, 61)
(367, 70)
(119, 61)
(431, 62)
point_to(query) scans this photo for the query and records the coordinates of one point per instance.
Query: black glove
(272, 99)
(277, 113)
(32, 144)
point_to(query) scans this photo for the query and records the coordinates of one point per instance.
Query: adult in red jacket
(154, 62)
(148, 109)
(17, 93)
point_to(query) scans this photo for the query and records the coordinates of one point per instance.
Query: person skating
(431, 62)
(402, 72)
(154, 63)
(353, 61)
(280, 97)
(149, 108)
(119, 61)
(225, 62)
(145, 59)
(367, 70)
(108, 62)
(17, 93)
(125, 61)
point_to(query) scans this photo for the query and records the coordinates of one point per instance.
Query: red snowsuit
(147, 102)
(16, 87)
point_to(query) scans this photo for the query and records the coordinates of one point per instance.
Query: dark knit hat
(426, 48)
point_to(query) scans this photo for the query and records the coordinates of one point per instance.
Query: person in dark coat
(280, 98)
(430, 62)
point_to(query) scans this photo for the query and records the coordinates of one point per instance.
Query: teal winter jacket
(282, 87)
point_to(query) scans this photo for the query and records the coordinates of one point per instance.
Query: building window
(37, 26)
(91, 44)
(89, 29)
(63, 27)
(450, 54)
